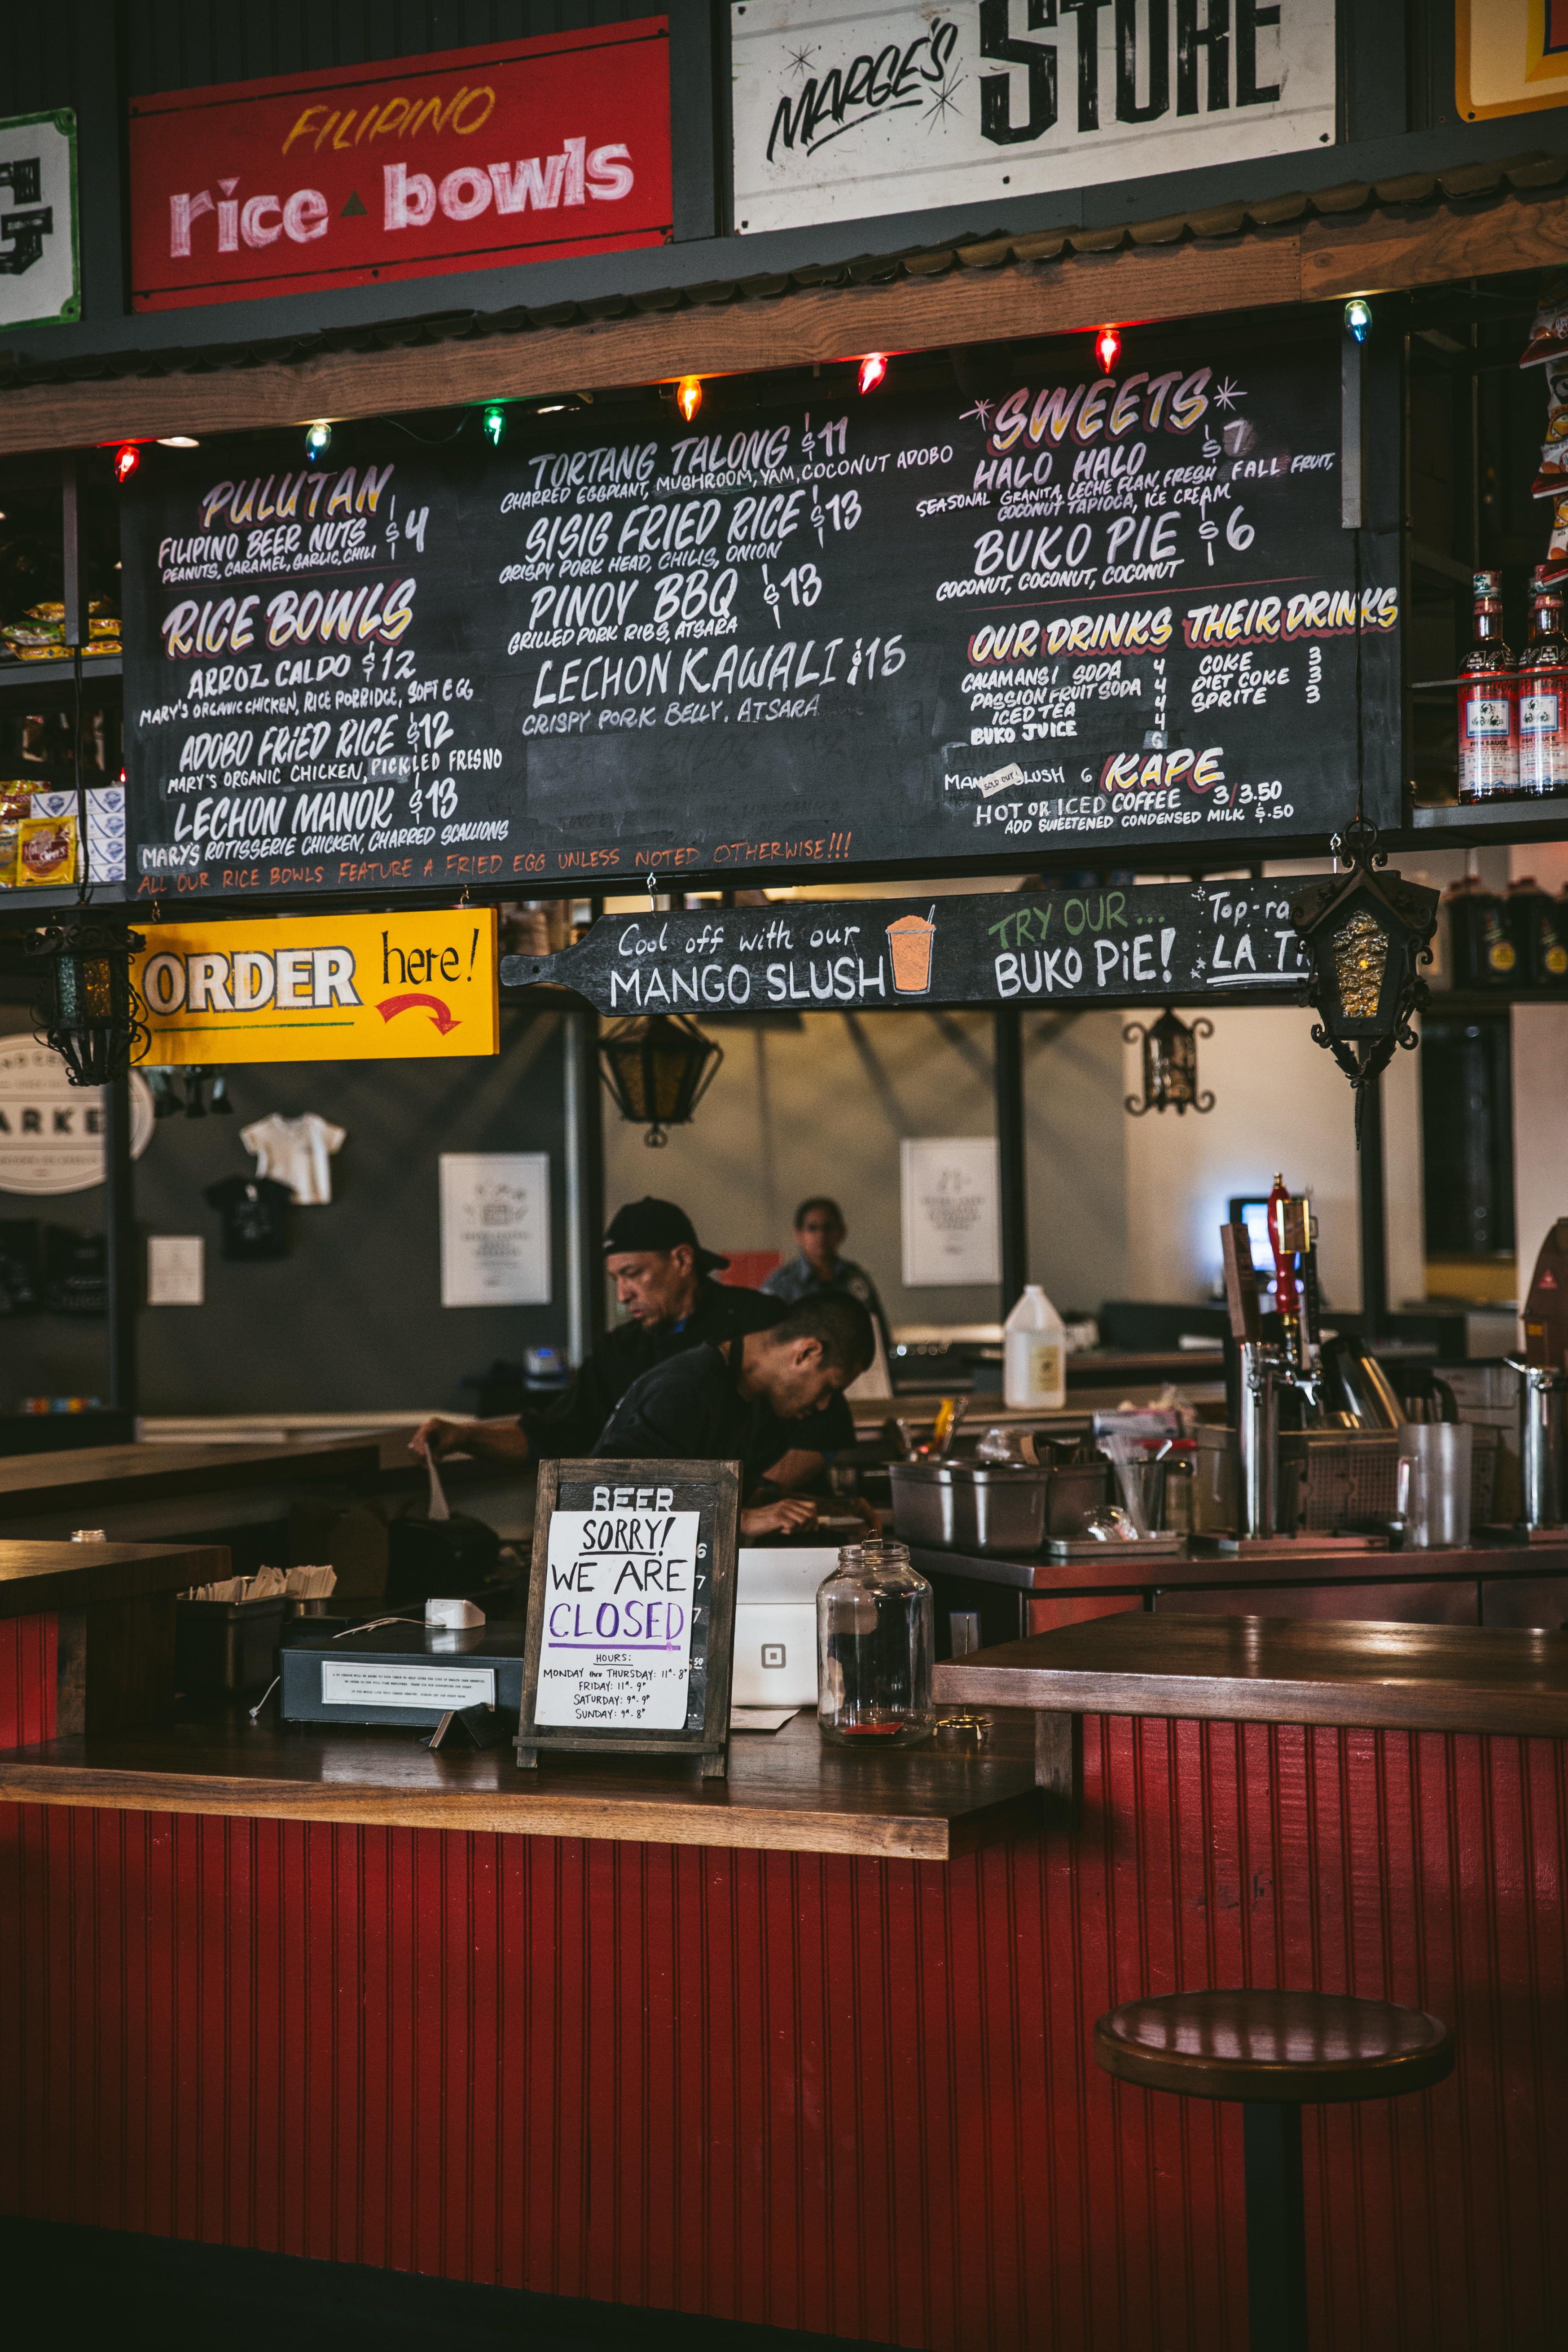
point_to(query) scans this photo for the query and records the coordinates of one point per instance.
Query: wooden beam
(1395, 251)
(965, 306)
(1317, 261)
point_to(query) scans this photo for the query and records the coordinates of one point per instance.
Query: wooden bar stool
(1277, 2053)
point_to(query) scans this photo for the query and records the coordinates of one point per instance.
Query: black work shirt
(570, 1424)
(255, 1213)
(690, 1409)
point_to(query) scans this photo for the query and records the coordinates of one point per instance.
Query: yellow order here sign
(321, 988)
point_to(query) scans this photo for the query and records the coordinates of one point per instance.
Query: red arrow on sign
(391, 1006)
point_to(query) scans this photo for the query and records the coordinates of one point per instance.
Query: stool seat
(1294, 2048)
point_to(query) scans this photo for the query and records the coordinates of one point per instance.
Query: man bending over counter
(664, 1280)
(741, 1398)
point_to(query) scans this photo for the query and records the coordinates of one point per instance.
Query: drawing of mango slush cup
(909, 940)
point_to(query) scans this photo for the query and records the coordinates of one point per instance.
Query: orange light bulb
(127, 457)
(873, 368)
(1107, 348)
(689, 399)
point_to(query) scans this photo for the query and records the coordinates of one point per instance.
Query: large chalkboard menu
(1093, 612)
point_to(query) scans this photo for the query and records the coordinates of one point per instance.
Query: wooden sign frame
(713, 1490)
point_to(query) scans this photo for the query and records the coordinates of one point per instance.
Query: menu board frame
(1042, 716)
(713, 1490)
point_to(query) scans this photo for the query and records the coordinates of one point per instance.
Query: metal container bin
(994, 1506)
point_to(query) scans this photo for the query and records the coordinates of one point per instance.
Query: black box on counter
(411, 1674)
(224, 1647)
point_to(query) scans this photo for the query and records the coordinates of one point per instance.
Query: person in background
(741, 1399)
(663, 1280)
(817, 1270)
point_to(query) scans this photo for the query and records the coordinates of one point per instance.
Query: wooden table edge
(545, 1813)
(1402, 1707)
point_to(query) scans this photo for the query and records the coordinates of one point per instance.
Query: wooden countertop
(785, 1793)
(1501, 1679)
(1111, 1569)
(37, 1578)
(97, 1475)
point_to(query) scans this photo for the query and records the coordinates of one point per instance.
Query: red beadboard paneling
(26, 1680)
(810, 2090)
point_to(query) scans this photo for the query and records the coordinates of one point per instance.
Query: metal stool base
(1276, 2227)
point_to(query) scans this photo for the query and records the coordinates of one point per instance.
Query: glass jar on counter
(876, 1631)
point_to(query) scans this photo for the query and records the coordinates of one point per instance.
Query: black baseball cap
(650, 1224)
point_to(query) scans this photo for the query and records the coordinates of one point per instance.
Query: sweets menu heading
(1096, 611)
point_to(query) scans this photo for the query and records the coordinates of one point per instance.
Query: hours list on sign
(1116, 608)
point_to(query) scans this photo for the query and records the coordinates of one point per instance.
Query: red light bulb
(127, 457)
(873, 368)
(689, 399)
(1107, 348)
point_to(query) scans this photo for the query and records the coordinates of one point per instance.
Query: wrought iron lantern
(85, 1006)
(1365, 934)
(659, 1068)
(1170, 1063)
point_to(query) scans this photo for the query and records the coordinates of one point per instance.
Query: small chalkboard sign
(631, 1610)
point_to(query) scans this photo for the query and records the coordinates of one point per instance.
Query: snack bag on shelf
(1556, 564)
(46, 855)
(1552, 475)
(102, 629)
(1549, 333)
(10, 832)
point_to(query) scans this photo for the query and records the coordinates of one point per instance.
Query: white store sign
(38, 277)
(844, 114)
(950, 1187)
(51, 1133)
(495, 1229)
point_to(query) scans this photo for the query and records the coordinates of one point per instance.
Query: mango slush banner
(321, 988)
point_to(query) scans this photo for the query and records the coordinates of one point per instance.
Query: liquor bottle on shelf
(1543, 693)
(1549, 944)
(1489, 704)
(1539, 933)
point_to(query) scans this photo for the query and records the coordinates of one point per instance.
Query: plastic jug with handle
(1034, 1354)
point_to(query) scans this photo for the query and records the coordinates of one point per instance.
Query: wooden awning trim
(1013, 288)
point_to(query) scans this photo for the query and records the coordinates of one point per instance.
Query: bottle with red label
(1543, 693)
(1489, 702)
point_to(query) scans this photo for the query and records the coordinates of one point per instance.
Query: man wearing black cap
(663, 1279)
(743, 1399)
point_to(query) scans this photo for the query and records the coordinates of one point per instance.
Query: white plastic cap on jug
(1034, 1354)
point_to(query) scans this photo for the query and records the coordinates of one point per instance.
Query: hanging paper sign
(950, 1192)
(495, 1229)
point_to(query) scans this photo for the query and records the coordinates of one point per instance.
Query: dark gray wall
(351, 1318)
(1396, 116)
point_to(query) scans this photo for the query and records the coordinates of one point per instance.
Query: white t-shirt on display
(295, 1152)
